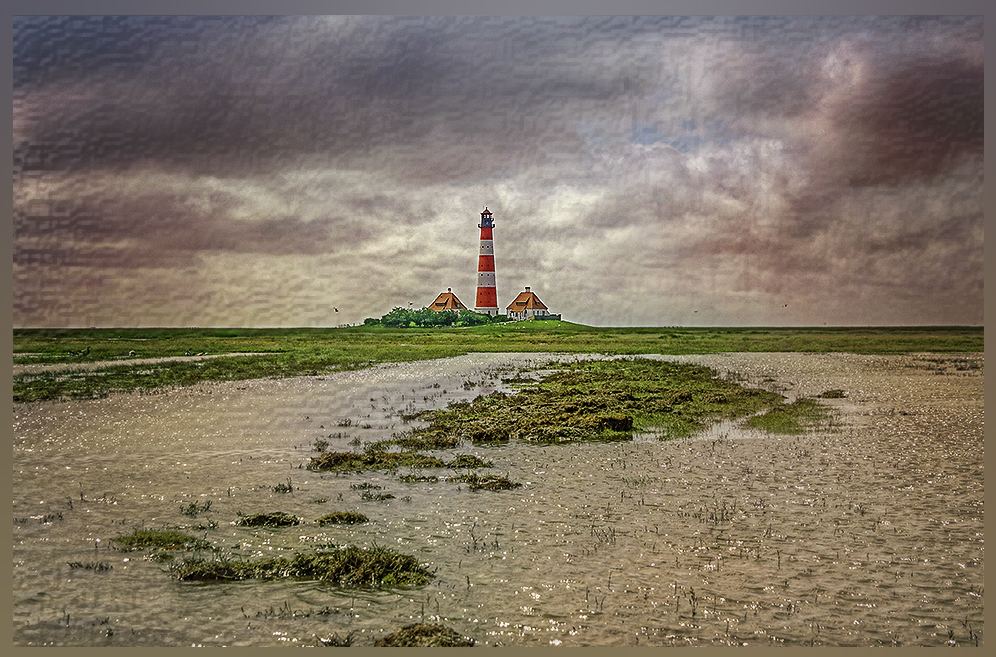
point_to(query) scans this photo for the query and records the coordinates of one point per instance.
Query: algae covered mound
(601, 400)
(275, 519)
(350, 567)
(425, 635)
(161, 539)
(469, 461)
(488, 482)
(343, 518)
(374, 458)
(795, 417)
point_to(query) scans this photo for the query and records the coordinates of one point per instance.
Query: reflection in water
(867, 534)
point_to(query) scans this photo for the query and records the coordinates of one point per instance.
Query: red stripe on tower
(487, 293)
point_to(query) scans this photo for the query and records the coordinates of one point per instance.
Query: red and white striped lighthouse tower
(487, 293)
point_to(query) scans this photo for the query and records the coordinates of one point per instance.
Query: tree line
(428, 318)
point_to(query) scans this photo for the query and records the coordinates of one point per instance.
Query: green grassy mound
(159, 539)
(601, 400)
(274, 519)
(425, 635)
(343, 518)
(350, 567)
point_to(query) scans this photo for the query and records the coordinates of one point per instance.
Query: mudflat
(869, 531)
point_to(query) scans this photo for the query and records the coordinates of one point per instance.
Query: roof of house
(447, 301)
(526, 301)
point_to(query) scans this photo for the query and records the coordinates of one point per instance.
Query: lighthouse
(487, 293)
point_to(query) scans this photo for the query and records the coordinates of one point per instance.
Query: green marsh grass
(601, 400)
(797, 417)
(314, 352)
(350, 567)
(425, 635)
(373, 460)
(160, 539)
(97, 566)
(343, 518)
(416, 478)
(836, 393)
(488, 482)
(273, 519)
(469, 461)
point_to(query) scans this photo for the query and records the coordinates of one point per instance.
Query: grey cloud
(162, 229)
(633, 155)
(915, 121)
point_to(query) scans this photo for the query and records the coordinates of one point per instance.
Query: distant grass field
(307, 351)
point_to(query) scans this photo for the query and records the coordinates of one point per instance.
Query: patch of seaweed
(425, 635)
(343, 518)
(350, 567)
(469, 461)
(488, 482)
(796, 417)
(414, 478)
(160, 539)
(372, 460)
(274, 519)
(836, 393)
(424, 439)
(601, 400)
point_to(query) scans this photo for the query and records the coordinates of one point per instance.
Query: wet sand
(868, 533)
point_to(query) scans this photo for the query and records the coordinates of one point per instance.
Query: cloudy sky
(262, 171)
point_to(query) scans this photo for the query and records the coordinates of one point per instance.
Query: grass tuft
(836, 393)
(98, 566)
(372, 460)
(275, 519)
(160, 539)
(414, 478)
(469, 461)
(425, 635)
(797, 417)
(343, 518)
(488, 482)
(351, 567)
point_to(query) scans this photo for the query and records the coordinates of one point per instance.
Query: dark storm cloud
(183, 92)
(683, 157)
(158, 229)
(218, 93)
(916, 120)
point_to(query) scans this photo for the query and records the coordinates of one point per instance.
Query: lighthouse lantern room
(487, 293)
